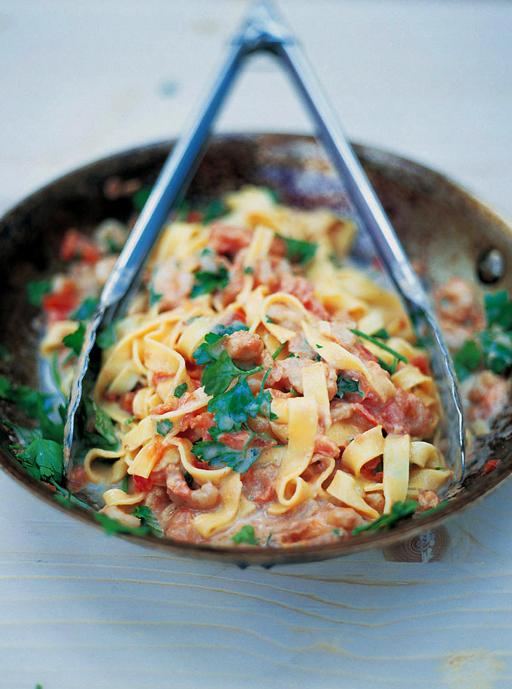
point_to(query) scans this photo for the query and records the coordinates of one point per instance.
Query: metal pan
(438, 222)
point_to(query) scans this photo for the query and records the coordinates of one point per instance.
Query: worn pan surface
(440, 224)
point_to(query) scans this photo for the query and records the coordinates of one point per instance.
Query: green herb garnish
(214, 210)
(154, 297)
(298, 250)
(75, 340)
(85, 310)
(164, 427)
(148, 519)
(217, 454)
(399, 511)
(207, 281)
(348, 385)
(112, 526)
(180, 390)
(467, 359)
(278, 351)
(246, 535)
(380, 344)
(36, 291)
(107, 337)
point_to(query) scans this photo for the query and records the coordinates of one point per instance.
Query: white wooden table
(79, 610)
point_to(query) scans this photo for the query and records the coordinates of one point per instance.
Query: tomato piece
(59, 304)
(421, 362)
(126, 401)
(491, 465)
(77, 245)
(141, 484)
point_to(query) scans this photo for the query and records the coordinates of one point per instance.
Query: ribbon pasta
(242, 397)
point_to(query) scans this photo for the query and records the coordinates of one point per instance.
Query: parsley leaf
(467, 359)
(112, 526)
(348, 385)
(498, 309)
(246, 535)
(75, 340)
(497, 349)
(218, 375)
(154, 297)
(164, 427)
(207, 281)
(214, 210)
(43, 459)
(36, 291)
(380, 344)
(180, 390)
(145, 514)
(382, 334)
(207, 351)
(232, 408)
(298, 250)
(86, 309)
(140, 197)
(217, 454)
(99, 420)
(278, 351)
(400, 510)
(107, 337)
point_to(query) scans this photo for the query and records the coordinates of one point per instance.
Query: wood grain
(79, 610)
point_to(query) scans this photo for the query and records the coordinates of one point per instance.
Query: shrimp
(459, 311)
(203, 498)
(172, 283)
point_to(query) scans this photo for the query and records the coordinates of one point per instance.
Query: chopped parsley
(36, 290)
(233, 408)
(467, 359)
(248, 270)
(217, 454)
(43, 459)
(180, 390)
(148, 519)
(211, 348)
(382, 334)
(399, 511)
(100, 429)
(278, 351)
(207, 281)
(498, 309)
(492, 347)
(164, 427)
(379, 343)
(298, 250)
(246, 535)
(107, 337)
(336, 532)
(85, 310)
(75, 340)
(140, 197)
(112, 526)
(348, 385)
(214, 210)
(154, 297)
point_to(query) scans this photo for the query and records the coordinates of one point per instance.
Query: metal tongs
(263, 31)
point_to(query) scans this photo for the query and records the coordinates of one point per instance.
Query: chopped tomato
(491, 465)
(421, 362)
(59, 304)
(194, 216)
(141, 484)
(77, 245)
(126, 401)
